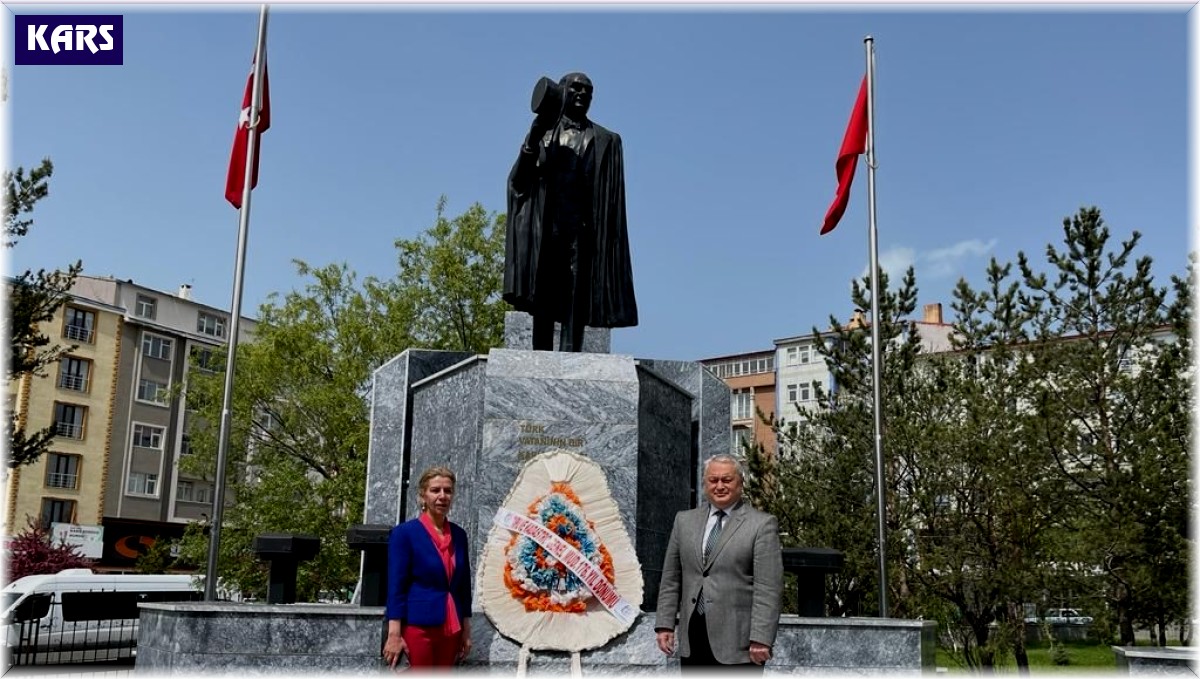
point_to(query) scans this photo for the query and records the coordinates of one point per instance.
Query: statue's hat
(547, 101)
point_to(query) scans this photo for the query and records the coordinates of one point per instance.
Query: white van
(80, 616)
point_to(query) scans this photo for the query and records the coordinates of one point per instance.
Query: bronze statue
(567, 246)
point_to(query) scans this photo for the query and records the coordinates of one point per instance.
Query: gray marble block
(711, 431)
(387, 452)
(447, 411)
(813, 646)
(634, 652)
(664, 455)
(647, 423)
(858, 646)
(485, 417)
(518, 334)
(226, 638)
(1156, 660)
(203, 638)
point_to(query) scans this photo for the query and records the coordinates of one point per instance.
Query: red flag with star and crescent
(235, 181)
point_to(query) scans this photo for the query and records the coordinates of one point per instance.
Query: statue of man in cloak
(567, 246)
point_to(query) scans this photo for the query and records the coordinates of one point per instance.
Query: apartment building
(67, 483)
(802, 369)
(751, 380)
(133, 424)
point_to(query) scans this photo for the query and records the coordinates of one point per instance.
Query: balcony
(69, 430)
(73, 382)
(56, 480)
(79, 332)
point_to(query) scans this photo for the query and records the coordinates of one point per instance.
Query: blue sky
(992, 126)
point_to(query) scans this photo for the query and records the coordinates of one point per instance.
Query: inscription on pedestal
(534, 441)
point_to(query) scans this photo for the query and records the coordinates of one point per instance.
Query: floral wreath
(534, 577)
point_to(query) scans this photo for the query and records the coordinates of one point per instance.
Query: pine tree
(1112, 409)
(33, 299)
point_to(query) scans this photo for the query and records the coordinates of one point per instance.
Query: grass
(1082, 656)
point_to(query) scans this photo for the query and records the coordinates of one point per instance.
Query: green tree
(1113, 412)
(821, 482)
(158, 558)
(983, 502)
(1022, 463)
(453, 274)
(300, 422)
(32, 300)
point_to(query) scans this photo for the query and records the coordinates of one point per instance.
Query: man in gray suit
(723, 564)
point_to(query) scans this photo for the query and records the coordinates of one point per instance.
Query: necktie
(709, 544)
(714, 534)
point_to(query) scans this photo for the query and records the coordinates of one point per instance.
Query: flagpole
(235, 314)
(876, 349)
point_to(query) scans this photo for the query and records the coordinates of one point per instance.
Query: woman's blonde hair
(434, 472)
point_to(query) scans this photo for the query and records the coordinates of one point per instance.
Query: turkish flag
(853, 144)
(235, 182)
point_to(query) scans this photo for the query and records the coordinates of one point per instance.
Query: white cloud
(939, 263)
(894, 262)
(947, 261)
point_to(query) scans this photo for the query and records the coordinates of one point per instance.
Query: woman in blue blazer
(429, 581)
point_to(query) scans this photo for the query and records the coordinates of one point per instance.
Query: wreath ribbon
(577, 563)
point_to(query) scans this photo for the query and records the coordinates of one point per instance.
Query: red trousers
(430, 646)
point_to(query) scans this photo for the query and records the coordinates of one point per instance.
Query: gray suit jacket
(743, 581)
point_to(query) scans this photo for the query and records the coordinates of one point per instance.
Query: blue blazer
(417, 583)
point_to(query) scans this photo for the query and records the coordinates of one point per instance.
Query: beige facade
(117, 401)
(75, 396)
(751, 381)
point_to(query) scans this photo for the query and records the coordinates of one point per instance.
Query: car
(1063, 616)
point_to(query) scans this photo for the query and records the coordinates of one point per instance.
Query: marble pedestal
(647, 423)
(203, 639)
(518, 334)
(1157, 660)
(812, 646)
(197, 638)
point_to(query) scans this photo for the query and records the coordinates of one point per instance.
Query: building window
(73, 373)
(213, 326)
(62, 471)
(142, 483)
(185, 445)
(156, 346)
(265, 420)
(147, 436)
(792, 356)
(55, 510)
(805, 354)
(793, 393)
(69, 420)
(80, 325)
(189, 491)
(748, 366)
(742, 402)
(204, 359)
(150, 391)
(742, 437)
(145, 307)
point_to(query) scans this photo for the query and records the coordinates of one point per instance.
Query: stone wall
(223, 638)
